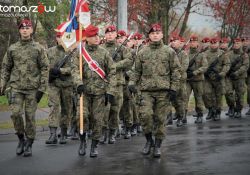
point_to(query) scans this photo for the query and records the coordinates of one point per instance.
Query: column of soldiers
(143, 80)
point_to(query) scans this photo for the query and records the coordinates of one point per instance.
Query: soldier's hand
(132, 89)
(190, 74)
(55, 71)
(172, 95)
(39, 96)
(109, 98)
(80, 89)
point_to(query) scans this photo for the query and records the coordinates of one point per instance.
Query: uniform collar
(91, 47)
(110, 43)
(193, 50)
(156, 44)
(24, 42)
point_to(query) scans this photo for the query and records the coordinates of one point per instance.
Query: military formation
(127, 84)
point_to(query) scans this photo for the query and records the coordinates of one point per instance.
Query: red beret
(214, 40)
(182, 39)
(237, 40)
(174, 37)
(205, 40)
(193, 38)
(137, 36)
(121, 33)
(25, 23)
(110, 28)
(91, 31)
(224, 40)
(155, 28)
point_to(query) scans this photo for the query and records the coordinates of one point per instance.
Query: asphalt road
(220, 148)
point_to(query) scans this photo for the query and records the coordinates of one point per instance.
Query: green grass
(4, 103)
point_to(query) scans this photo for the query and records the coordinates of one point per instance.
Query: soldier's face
(224, 45)
(214, 45)
(130, 43)
(59, 40)
(156, 36)
(194, 44)
(121, 39)
(176, 44)
(94, 40)
(111, 36)
(246, 43)
(237, 45)
(25, 32)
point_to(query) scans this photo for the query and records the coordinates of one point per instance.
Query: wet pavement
(220, 148)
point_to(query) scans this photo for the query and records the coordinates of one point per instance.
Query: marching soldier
(205, 43)
(195, 76)
(60, 91)
(235, 80)
(157, 74)
(121, 36)
(122, 59)
(94, 88)
(25, 71)
(224, 44)
(218, 66)
(181, 98)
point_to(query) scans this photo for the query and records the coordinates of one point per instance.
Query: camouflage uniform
(235, 80)
(195, 82)
(60, 91)
(122, 61)
(25, 70)
(181, 100)
(214, 82)
(157, 70)
(96, 87)
(246, 49)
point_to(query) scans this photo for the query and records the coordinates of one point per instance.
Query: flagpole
(81, 75)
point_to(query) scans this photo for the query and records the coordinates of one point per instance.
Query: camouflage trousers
(153, 110)
(93, 114)
(129, 110)
(213, 93)
(180, 102)
(112, 111)
(197, 87)
(61, 106)
(23, 102)
(248, 89)
(235, 90)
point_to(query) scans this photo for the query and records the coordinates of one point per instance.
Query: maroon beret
(25, 23)
(155, 28)
(91, 31)
(121, 33)
(110, 28)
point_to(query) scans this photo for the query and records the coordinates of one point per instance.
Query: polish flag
(82, 9)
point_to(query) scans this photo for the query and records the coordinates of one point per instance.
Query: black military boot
(127, 133)
(53, 137)
(21, 144)
(175, 117)
(63, 136)
(111, 136)
(231, 111)
(83, 145)
(184, 119)
(209, 114)
(237, 113)
(134, 130)
(139, 128)
(28, 148)
(199, 118)
(179, 121)
(93, 150)
(248, 112)
(217, 115)
(104, 137)
(157, 149)
(169, 119)
(150, 143)
(73, 132)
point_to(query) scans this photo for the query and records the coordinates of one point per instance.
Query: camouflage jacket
(25, 66)
(94, 84)
(239, 63)
(122, 61)
(55, 54)
(184, 61)
(200, 65)
(223, 63)
(157, 68)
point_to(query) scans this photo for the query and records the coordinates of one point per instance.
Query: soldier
(205, 44)
(122, 60)
(94, 88)
(157, 73)
(25, 71)
(60, 91)
(121, 36)
(195, 76)
(246, 43)
(218, 66)
(224, 44)
(181, 99)
(235, 80)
